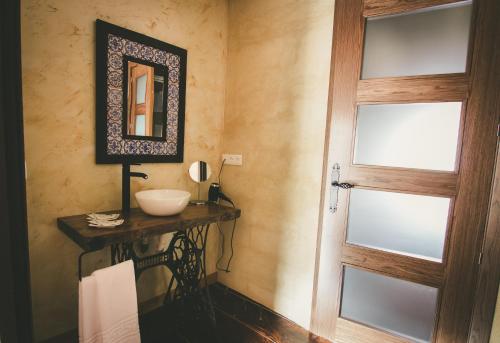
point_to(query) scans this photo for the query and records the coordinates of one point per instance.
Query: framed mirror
(140, 93)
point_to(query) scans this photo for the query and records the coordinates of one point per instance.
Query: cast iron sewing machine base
(185, 257)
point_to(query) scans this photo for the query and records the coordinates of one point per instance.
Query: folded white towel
(108, 306)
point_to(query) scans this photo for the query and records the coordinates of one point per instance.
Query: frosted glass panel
(141, 89)
(140, 125)
(422, 136)
(407, 224)
(400, 307)
(432, 41)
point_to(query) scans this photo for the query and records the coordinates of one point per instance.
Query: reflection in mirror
(200, 171)
(146, 110)
(140, 125)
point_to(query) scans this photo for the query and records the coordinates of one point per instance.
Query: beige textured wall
(278, 68)
(58, 85)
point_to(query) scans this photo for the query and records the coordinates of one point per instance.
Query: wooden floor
(238, 320)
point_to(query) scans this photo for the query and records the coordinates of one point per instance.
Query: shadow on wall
(277, 87)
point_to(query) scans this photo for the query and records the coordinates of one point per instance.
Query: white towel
(108, 306)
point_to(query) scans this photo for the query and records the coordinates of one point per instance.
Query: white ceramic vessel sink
(163, 202)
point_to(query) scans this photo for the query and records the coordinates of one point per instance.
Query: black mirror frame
(170, 150)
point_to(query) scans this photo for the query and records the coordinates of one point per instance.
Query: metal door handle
(343, 185)
(335, 185)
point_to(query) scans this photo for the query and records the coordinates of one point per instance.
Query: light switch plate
(232, 159)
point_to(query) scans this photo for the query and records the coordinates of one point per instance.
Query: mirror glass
(146, 103)
(200, 171)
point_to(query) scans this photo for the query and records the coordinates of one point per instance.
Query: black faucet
(126, 175)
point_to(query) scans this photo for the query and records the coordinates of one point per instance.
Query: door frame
(483, 98)
(15, 294)
(489, 271)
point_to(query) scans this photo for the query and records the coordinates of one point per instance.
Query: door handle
(335, 185)
(343, 185)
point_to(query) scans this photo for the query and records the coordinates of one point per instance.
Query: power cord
(220, 171)
(221, 233)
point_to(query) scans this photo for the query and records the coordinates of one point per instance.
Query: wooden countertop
(138, 225)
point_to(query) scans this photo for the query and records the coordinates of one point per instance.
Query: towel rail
(80, 262)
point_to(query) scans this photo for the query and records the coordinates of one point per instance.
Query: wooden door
(412, 127)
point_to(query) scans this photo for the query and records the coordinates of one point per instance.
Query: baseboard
(270, 325)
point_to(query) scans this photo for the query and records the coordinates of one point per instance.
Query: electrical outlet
(233, 160)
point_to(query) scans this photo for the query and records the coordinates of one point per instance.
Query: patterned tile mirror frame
(117, 49)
